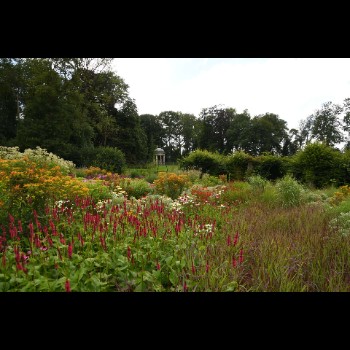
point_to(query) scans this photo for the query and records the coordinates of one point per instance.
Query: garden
(168, 229)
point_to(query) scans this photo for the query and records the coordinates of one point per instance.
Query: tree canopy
(71, 106)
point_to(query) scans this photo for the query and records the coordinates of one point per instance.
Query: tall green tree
(10, 110)
(239, 132)
(153, 131)
(268, 134)
(190, 128)
(291, 144)
(215, 123)
(172, 134)
(47, 114)
(346, 122)
(130, 138)
(327, 126)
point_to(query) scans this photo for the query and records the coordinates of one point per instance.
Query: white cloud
(293, 88)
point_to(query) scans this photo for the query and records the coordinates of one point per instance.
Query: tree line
(74, 107)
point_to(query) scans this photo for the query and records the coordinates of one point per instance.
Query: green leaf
(231, 287)
(168, 260)
(139, 287)
(147, 276)
(173, 278)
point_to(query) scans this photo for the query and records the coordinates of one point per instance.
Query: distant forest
(72, 106)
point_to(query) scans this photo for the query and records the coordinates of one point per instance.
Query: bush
(98, 190)
(237, 192)
(258, 183)
(345, 168)
(341, 224)
(193, 175)
(318, 165)
(289, 192)
(109, 158)
(209, 180)
(205, 161)
(26, 186)
(171, 184)
(38, 155)
(237, 165)
(136, 187)
(270, 166)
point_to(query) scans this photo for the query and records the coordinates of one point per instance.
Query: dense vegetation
(89, 229)
(247, 205)
(77, 107)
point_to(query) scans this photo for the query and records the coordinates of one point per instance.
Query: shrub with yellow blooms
(171, 184)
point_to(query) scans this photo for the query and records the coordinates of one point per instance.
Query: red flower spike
(129, 253)
(241, 256)
(236, 239)
(67, 286)
(70, 250)
(234, 262)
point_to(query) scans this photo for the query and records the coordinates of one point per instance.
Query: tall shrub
(237, 165)
(318, 165)
(212, 163)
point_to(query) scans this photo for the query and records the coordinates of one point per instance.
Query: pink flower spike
(241, 256)
(67, 286)
(70, 250)
(129, 253)
(236, 239)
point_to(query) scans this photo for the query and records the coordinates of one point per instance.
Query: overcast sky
(293, 88)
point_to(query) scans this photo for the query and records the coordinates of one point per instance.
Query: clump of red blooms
(108, 226)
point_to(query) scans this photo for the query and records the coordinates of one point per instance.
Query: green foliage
(193, 175)
(258, 183)
(39, 156)
(109, 158)
(136, 188)
(130, 137)
(205, 161)
(213, 131)
(270, 166)
(267, 134)
(341, 207)
(289, 192)
(326, 125)
(9, 83)
(341, 223)
(318, 165)
(211, 239)
(209, 180)
(237, 165)
(98, 190)
(345, 168)
(237, 192)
